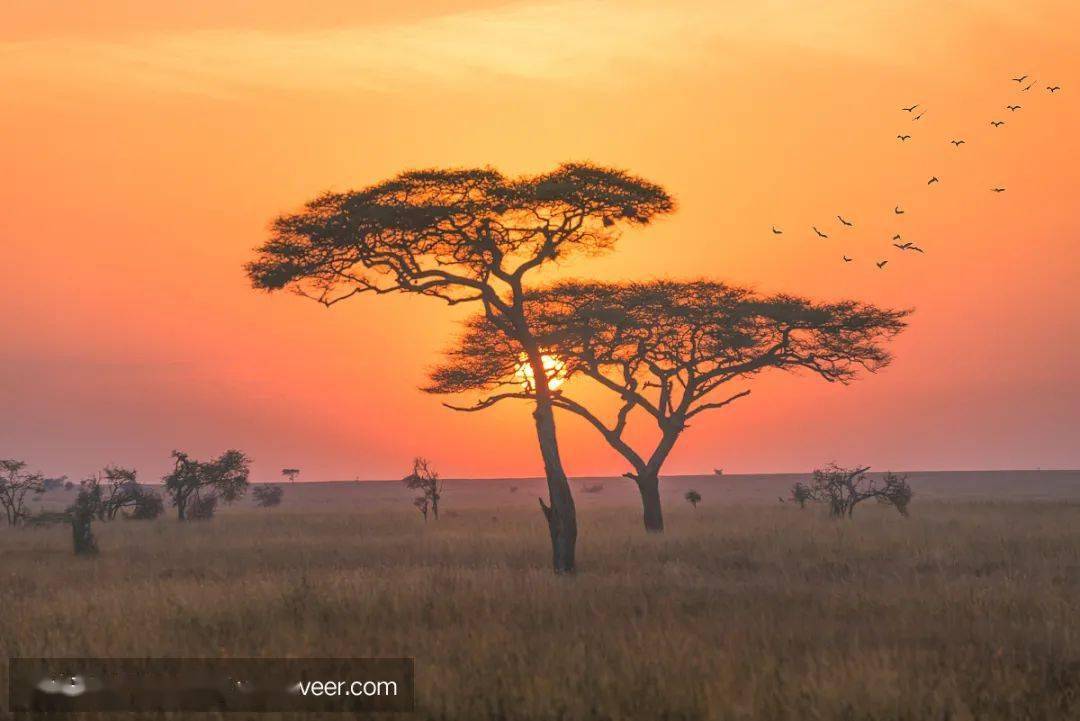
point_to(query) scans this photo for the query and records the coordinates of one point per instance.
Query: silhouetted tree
(425, 479)
(667, 349)
(464, 236)
(195, 486)
(268, 496)
(841, 489)
(118, 491)
(290, 473)
(693, 498)
(15, 485)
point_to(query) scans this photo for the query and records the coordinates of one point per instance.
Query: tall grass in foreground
(963, 611)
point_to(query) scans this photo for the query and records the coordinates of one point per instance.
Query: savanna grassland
(745, 608)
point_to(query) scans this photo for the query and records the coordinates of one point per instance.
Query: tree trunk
(649, 486)
(82, 534)
(561, 514)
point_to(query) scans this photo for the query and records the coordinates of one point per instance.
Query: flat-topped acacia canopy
(455, 234)
(665, 347)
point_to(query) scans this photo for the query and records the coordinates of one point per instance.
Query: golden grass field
(744, 609)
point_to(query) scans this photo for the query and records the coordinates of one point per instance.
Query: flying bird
(1053, 89)
(1029, 87)
(907, 246)
(776, 231)
(1013, 108)
(848, 223)
(896, 237)
(847, 259)
(998, 189)
(911, 109)
(919, 115)
(1020, 79)
(997, 123)
(881, 263)
(933, 180)
(957, 143)
(903, 138)
(898, 210)
(820, 234)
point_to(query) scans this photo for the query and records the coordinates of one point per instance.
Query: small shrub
(693, 498)
(148, 506)
(800, 493)
(268, 496)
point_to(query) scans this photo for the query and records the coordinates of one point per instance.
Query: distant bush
(693, 497)
(800, 493)
(268, 496)
(54, 484)
(148, 506)
(595, 488)
(841, 489)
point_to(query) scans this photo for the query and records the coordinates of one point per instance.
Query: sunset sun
(554, 369)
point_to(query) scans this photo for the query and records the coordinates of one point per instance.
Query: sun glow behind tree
(554, 369)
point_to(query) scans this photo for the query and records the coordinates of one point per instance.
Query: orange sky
(147, 145)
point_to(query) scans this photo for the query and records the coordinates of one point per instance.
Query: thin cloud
(571, 40)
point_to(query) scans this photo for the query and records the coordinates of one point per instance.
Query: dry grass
(967, 610)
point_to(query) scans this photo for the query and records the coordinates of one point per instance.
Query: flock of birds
(897, 240)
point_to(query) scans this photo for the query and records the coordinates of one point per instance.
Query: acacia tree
(117, 489)
(667, 349)
(425, 478)
(462, 236)
(290, 473)
(15, 485)
(841, 489)
(196, 486)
